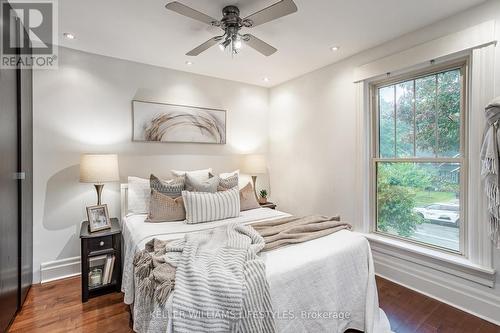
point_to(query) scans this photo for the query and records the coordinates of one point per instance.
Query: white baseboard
(59, 269)
(476, 300)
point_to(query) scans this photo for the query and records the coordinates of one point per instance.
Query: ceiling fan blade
(259, 45)
(203, 47)
(189, 12)
(279, 9)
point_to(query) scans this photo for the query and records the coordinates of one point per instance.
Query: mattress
(324, 285)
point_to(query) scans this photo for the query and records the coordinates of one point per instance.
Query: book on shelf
(108, 269)
(111, 269)
(101, 270)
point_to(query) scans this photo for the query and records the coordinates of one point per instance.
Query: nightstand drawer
(100, 243)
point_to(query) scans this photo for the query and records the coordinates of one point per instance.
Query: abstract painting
(158, 122)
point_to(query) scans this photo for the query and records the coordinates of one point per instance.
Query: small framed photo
(98, 218)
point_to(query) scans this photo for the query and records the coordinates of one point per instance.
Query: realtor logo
(28, 34)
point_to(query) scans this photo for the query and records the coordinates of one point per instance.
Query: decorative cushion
(205, 207)
(163, 208)
(247, 198)
(228, 183)
(229, 174)
(195, 185)
(139, 193)
(200, 175)
(172, 188)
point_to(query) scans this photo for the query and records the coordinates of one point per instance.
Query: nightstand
(101, 260)
(268, 205)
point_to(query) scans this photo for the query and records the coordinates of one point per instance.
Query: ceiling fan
(231, 23)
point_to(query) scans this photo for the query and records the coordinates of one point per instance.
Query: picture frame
(175, 123)
(98, 218)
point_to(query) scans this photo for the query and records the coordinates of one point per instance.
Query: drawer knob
(101, 243)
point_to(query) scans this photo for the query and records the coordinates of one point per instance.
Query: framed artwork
(98, 218)
(158, 122)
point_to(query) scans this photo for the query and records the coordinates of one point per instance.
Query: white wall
(313, 138)
(85, 106)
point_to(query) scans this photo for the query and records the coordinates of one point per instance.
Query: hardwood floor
(409, 311)
(56, 307)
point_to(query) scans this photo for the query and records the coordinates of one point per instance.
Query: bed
(323, 285)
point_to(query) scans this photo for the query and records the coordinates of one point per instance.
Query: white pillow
(139, 194)
(200, 175)
(205, 207)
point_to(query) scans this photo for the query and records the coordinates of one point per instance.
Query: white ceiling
(146, 32)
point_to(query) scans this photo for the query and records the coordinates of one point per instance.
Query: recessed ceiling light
(266, 79)
(189, 63)
(334, 48)
(69, 35)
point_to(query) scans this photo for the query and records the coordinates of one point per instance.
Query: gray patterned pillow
(163, 208)
(173, 188)
(195, 185)
(228, 183)
(205, 207)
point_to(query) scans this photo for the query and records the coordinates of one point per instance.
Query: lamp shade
(254, 164)
(99, 168)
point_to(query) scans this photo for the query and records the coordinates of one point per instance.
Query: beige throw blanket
(293, 230)
(156, 277)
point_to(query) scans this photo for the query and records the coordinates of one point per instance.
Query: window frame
(463, 64)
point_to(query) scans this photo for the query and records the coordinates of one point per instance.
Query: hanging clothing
(490, 164)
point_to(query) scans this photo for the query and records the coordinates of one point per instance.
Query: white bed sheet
(330, 277)
(136, 233)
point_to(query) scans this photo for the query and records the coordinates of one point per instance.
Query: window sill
(441, 261)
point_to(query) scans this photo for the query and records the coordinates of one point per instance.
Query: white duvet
(324, 285)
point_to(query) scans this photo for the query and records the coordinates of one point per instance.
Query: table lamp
(253, 165)
(99, 169)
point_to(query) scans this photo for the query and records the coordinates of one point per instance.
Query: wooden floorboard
(56, 307)
(409, 311)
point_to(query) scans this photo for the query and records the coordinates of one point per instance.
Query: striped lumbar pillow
(205, 207)
(172, 188)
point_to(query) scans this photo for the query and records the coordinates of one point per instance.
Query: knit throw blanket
(490, 168)
(218, 272)
(220, 282)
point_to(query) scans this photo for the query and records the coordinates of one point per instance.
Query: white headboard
(123, 201)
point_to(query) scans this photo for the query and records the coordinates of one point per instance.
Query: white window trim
(477, 263)
(435, 259)
(463, 65)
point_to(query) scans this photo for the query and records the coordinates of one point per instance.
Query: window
(418, 157)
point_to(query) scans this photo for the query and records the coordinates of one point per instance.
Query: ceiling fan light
(237, 44)
(224, 44)
(69, 35)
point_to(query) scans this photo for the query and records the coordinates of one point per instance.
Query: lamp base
(254, 179)
(98, 189)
